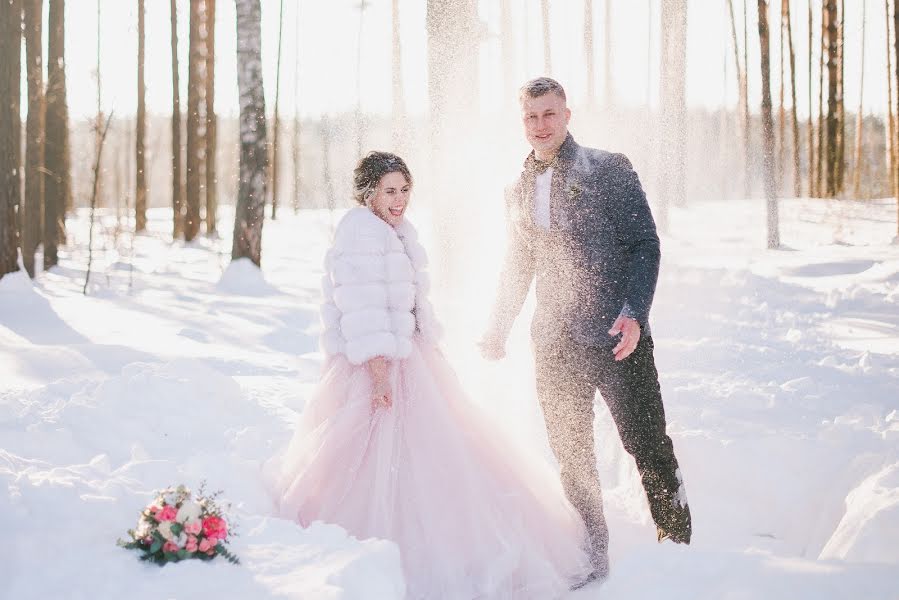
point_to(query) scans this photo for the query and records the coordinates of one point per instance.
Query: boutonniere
(574, 192)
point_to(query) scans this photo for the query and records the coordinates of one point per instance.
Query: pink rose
(207, 544)
(215, 527)
(153, 509)
(167, 514)
(191, 545)
(170, 547)
(193, 528)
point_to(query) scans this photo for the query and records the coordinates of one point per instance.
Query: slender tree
(811, 114)
(177, 177)
(211, 122)
(250, 211)
(99, 119)
(794, 100)
(275, 171)
(768, 126)
(896, 81)
(34, 135)
(832, 150)
(747, 139)
(10, 132)
(588, 53)
(398, 102)
(57, 180)
(742, 100)
(839, 167)
(891, 121)
(196, 143)
(857, 171)
(547, 50)
(673, 105)
(296, 113)
(609, 87)
(781, 109)
(140, 188)
(822, 133)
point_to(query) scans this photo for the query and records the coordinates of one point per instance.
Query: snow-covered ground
(780, 372)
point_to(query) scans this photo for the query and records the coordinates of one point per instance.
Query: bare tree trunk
(841, 104)
(608, 88)
(250, 211)
(547, 51)
(95, 190)
(857, 173)
(891, 122)
(100, 117)
(770, 193)
(747, 140)
(797, 165)
(744, 123)
(588, 52)
(34, 135)
(211, 123)
(297, 188)
(781, 112)
(196, 144)
(811, 114)
(10, 132)
(896, 80)
(822, 132)
(832, 98)
(398, 94)
(57, 181)
(673, 106)
(177, 177)
(275, 171)
(140, 191)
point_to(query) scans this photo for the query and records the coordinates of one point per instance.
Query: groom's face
(545, 121)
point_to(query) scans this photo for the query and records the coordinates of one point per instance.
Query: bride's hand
(381, 395)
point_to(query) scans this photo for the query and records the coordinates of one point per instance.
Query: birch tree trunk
(768, 124)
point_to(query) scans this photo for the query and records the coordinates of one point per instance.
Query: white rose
(165, 530)
(189, 511)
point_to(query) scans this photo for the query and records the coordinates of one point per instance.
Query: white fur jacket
(375, 290)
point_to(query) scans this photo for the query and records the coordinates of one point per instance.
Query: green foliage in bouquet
(177, 526)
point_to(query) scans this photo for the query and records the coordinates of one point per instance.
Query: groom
(579, 223)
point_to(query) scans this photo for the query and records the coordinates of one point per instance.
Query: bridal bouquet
(177, 526)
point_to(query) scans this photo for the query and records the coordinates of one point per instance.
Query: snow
(779, 369)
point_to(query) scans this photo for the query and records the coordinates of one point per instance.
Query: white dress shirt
(542, 186)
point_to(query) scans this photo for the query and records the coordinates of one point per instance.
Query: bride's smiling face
(391, 197)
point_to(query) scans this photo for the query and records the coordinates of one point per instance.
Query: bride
(390, 447)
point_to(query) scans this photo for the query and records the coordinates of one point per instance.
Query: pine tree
(57, 179)
(768, 125)
(33, 207)
(140, 191)
(250, 211)
(10, 132)
(211, 122)
(797, 173)
(177, 176)
(196, 109)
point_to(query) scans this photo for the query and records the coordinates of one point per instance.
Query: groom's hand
(492, 348)
(630, 335)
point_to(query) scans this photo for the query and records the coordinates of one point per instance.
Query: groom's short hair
(540, 87)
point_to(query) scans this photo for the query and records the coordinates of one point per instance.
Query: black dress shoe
(678, 537)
